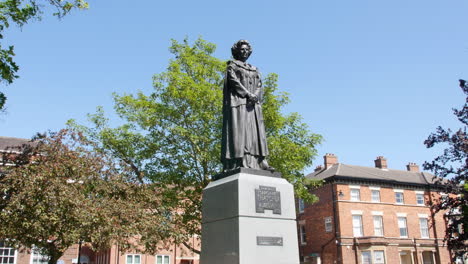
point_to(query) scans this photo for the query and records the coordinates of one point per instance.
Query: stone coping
(247, 171)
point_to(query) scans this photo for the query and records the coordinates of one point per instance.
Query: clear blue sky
(373, 77)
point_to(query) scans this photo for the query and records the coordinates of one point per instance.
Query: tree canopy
(171, 137)
(57, 191)
(452, 168)
(19, 13)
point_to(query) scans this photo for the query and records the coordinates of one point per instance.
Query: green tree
(57, 192)
(451, 167)
(17, 12)
(172, 136)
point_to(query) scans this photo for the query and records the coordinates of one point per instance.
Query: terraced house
(372, 215)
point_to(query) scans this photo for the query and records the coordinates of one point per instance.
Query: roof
(11, 144)
(344, 171)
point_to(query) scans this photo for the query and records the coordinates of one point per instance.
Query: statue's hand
(253, 98)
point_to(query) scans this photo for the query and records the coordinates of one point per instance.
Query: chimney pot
(413, 167)
(380, 162)
(329, 159)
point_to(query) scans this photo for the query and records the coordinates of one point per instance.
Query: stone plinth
(249, 219)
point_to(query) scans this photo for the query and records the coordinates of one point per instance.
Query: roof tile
(369, 173)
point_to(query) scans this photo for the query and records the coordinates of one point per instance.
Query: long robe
(243, 125)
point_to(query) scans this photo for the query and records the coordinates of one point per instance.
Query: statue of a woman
(244, 140)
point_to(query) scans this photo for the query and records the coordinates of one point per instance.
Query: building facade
(167, 253)
(372, 215)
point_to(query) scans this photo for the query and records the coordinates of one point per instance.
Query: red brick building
(166, 253)
(171, 254)
(372, 215)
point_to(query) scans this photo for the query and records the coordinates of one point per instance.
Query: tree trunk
(53, 260)
(54, 255)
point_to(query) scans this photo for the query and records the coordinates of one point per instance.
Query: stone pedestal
(249, 218)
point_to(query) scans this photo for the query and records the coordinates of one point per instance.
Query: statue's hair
(236, 48)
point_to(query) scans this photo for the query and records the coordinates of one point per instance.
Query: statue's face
(244, 52)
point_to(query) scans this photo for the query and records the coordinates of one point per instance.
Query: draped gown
(243, 138)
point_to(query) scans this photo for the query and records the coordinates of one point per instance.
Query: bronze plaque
(269, 241)
(267, 198)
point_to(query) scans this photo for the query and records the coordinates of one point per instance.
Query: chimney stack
(329, 159)
(381, 162)
(318, 168)
(413, 167)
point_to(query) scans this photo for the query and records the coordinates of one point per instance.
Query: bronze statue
(244, 139)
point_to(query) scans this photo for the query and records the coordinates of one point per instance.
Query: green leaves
(8, 67)
(19, 13)
(172, 136)
(60, 191)
(291, 144)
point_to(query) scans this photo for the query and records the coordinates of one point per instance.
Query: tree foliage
(452, 169)
(56, 192)
(172, 136)
(18, 12)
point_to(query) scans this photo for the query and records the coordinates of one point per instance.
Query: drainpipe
(356, 256)
(175, 253)
(335, 218)
(118, 254)
(416, 250)
(438, 260)
(335, 221)
(79, 251)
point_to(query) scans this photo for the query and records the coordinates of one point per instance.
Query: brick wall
(323, 243)
(319, 241)
(177, 254)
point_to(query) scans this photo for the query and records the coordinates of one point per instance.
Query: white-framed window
(378, 225)
(38, 258)
(420, 198)
(133, 259)
(375, 196)
(301, 205)
(379, 257)
(357, 225)
(402, 226)
(366, 257)
(355, 195)
(399, 198)
(373, 257)
(424, 227)
(7, 254)
(302, 234)
(428, 257)
(328, 224)
(163, 259)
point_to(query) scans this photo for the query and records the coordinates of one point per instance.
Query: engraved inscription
(269, 241)
(267, 198)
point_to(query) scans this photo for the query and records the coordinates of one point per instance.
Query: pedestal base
(249, 219)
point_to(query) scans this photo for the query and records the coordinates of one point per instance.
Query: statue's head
(241, 50)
